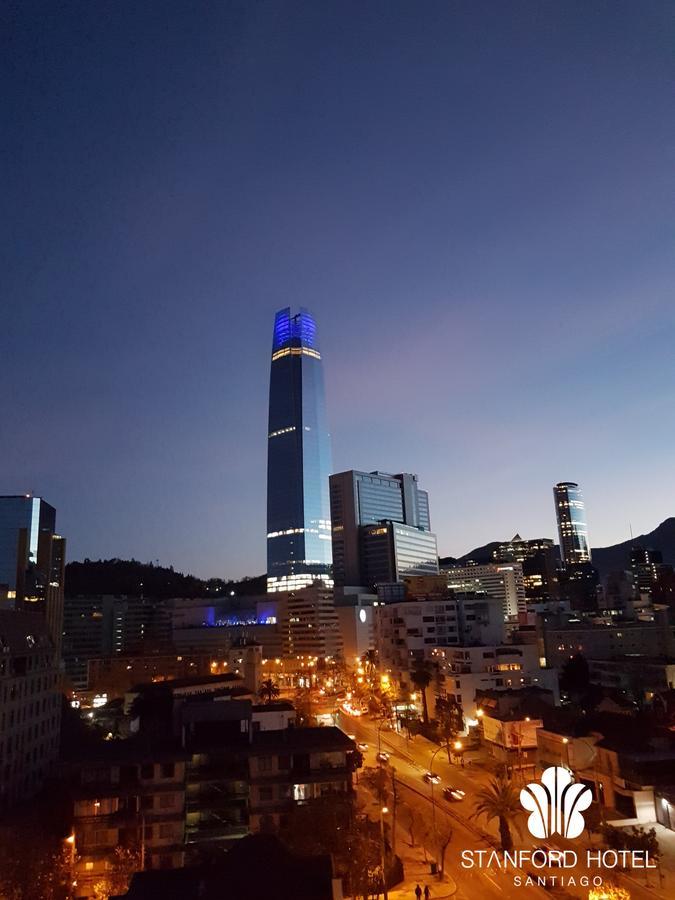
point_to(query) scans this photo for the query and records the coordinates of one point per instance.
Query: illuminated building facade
(502, 581)
(32, 560)
(572, 528)
(381, 529)
(298, 458)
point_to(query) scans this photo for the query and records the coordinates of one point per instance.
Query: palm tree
(499, 800)
(268, 691)
(421, 678)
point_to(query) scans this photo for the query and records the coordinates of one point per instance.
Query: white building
(462, 671)
(407, 632)
(503, 581)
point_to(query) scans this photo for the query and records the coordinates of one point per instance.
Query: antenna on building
(632, 539)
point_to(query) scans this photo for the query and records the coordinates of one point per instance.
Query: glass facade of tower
(298, 458)
(572, 529)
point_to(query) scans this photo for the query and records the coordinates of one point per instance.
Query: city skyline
(489, 259)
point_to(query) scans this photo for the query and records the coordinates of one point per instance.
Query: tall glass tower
(298, 458)
(572, 528)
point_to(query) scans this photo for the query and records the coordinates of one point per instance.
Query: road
(410, 759)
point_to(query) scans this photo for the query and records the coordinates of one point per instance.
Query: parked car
(453, 794)
(362, 746)
(382, 757)
(431, 778)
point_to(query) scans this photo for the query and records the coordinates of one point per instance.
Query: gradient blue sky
(474, 199)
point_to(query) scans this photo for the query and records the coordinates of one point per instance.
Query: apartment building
(463, 673)
(407, 632)
(126, 794)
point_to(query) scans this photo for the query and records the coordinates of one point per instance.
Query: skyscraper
(32, 560)
(298, 458)
(364, 554)
(572, 528)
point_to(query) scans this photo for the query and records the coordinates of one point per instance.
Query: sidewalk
(416, 869)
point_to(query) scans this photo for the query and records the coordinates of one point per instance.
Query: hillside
(617, 557)
(605, 559)
(133, 578)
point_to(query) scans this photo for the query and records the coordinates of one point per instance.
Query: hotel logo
(555, 804)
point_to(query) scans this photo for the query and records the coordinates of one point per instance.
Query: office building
(32, 560)
(502, 581)
(391, 552)
(645, 566)
(30, 706)
(99, 626)
(360, 501)
(298, 458)
(539, 561)
(356, 620)
(572, 528)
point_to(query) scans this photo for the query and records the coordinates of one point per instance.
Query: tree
(121, 866)
(421, 678)
(442, 839)
(499, 800)
(369, 660)
(268, 691)
(450, 720)
(333, 825)
(575, 676)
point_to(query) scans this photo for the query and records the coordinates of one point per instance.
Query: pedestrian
(427, 892)
(418, 892)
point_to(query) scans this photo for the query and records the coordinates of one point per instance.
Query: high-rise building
(96, 626)
(391, 552)
(645, 565)
(539, 560)
(298, 458)
(309, 623)
(32, 560)
(361, 500)
(572, 528)
(501, 581)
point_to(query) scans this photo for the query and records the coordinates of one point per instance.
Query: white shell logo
(556, 804)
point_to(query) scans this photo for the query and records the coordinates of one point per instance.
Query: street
(410, 759)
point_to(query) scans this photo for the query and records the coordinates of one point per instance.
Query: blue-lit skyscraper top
(298, 458)
(298, 330)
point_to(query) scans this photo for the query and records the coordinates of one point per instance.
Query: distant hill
(605, 559)
(617, 557)
(135, 579)
(480, 555)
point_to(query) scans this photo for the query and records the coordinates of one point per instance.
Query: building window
(168, 770)
(266, 794)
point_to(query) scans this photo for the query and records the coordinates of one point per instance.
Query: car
(382, 757)
(352, 737)
(453, 794)
(362, 746)
(431, 778)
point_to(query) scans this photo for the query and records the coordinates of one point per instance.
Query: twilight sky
(474, 198)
